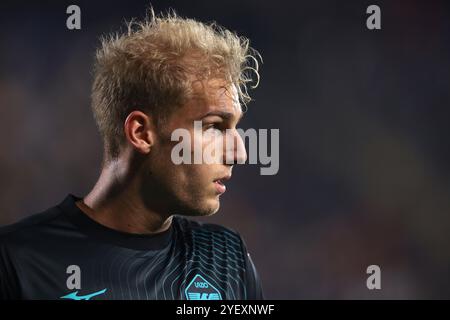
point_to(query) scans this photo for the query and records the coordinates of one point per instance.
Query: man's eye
(214, 126)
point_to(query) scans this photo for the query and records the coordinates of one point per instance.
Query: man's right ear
(139, 130)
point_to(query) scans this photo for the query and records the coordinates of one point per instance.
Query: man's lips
(219, 184)
(220, 187)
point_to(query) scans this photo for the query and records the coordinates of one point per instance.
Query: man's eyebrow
(223, 114)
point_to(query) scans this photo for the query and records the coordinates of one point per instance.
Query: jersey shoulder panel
(29, 227)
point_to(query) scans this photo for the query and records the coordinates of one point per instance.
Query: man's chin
(207, 209)
(214, 209)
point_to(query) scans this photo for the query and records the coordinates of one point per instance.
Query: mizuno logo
(75, 296)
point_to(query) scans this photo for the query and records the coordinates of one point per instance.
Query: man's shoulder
(29, 227)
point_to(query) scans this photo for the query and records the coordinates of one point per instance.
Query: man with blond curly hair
(129, 237)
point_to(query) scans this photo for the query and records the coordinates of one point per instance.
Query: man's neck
(117, 205)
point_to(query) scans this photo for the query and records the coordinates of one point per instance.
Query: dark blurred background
(363, 118)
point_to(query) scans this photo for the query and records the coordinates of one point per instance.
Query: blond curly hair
(150, 67)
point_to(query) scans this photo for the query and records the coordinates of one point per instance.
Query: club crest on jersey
(201, 289)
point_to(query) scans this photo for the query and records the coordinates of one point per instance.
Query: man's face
(194, 189)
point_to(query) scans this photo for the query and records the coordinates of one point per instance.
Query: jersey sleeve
(253, 282)
(255, 291)
(9, 287)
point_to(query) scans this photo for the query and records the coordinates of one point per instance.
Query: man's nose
(235, 152)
